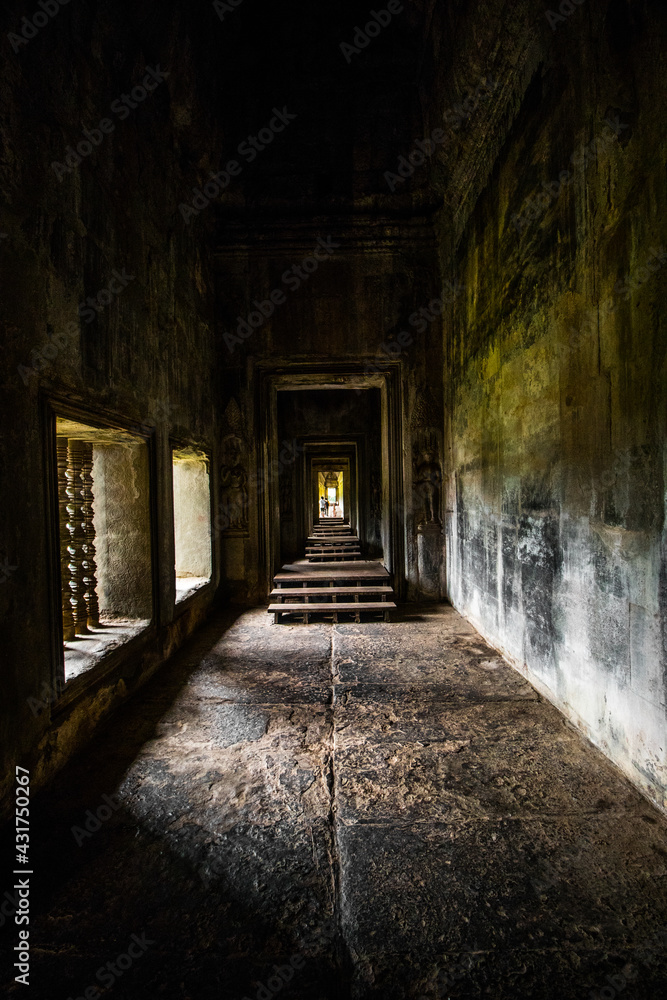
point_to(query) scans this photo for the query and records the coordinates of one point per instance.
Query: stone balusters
(78, 567)
(89, 564)
(76, 521)
(68, 618)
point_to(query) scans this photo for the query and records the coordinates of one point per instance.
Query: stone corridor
(365, 810)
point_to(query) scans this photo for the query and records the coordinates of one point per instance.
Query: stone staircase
(332, 541)
(332, 581)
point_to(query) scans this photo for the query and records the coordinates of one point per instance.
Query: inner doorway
(330, 486)
(341, 411)
(336, 438)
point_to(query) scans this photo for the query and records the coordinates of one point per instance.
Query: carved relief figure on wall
(428, 481)
(233, 473)
(427, 477)
(376, 500)
(235, 495)
(286, 495)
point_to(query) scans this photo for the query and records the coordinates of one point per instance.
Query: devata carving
(234, 484)
(376, 500)
(427, 476)
(286, 512)
(428, 481)
(234, 473)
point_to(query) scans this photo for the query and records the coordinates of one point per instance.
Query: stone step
(328, 549)
(333, 547)
(342, 606)
(363, 591)
(344, 572)
(341, 550)
(333, 556)
(334, 539)
(333, 534)
(305, 610)
(325, 574)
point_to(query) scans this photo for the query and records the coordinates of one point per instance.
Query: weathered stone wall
(141, 352)
(192, 517)
(557, 374)
(123, 530)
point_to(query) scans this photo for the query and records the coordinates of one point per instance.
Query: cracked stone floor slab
(345, 811)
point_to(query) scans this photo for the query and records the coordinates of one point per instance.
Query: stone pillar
(89, 565)
(77, 536)
(68, 618)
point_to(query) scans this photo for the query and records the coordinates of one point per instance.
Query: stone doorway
(371, 449)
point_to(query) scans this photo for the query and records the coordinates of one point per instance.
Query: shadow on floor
(123, 866)
(399, 782)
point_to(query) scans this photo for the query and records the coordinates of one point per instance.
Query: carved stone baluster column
(68, 617)
(89, 564)
(77, 536)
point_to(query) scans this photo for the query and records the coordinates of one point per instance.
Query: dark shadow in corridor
(217, 905)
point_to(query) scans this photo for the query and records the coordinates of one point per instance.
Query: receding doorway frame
(330, 456)
(270, 379)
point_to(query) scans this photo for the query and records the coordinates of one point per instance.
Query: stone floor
(334, 811)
